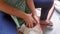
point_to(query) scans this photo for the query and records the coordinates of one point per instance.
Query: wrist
(34, 13)
(24, 16)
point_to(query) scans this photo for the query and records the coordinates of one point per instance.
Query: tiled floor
(56, 24)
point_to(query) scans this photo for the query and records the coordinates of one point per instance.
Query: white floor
(56, 24)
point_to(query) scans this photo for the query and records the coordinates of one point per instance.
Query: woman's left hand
(36, 18)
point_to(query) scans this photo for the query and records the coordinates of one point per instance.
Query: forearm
(10, 10)
(31, 6)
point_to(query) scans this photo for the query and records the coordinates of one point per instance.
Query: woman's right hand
(29, 21)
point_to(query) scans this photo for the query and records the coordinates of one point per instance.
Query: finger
(26, 24)
(36, 19)
(31, 25)
(34, 23)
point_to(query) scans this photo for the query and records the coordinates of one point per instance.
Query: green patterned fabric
(19, 4)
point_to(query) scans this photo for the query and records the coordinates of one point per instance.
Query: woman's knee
(43, 3)
(50, 2)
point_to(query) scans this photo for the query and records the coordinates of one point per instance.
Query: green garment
(20, 5)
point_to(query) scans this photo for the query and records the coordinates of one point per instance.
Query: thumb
(36, 19)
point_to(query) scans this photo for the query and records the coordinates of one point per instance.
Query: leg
(50, 12)
(43, 17)
(45, 5)
(44, 14)
(7, 25)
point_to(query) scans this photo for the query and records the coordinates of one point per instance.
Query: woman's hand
(29, 21)
(36, 18)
